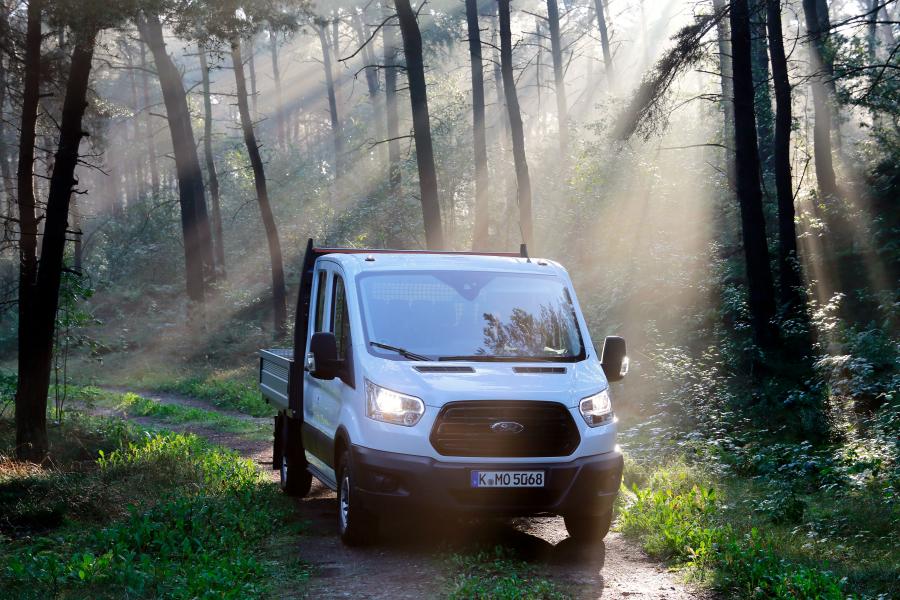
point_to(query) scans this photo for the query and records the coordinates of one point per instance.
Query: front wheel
(592, 528)
(295, 480)
(355, 525)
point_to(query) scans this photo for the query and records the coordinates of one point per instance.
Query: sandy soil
(410, 558)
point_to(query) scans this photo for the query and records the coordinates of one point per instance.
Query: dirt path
(409, 561)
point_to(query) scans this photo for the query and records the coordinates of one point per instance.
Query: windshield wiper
(401, 351)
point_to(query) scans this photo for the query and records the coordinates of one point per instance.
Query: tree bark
(251, 64)
(559, 83)
(749, 193)
(788, 263)
(827, 181)
(367, 55)
(34, 383)
(211, 175)
(517, 132)
(198, 252)
(765, 132)
(279, 101)
(31, 413)
(5, 169)
(279, 295)
(604, 44)
(150, 134)
(332, 102)
(482, 215)
(723, 35)
(390, 104)
(418, 96)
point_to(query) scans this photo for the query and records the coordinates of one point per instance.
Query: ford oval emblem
(507, 427)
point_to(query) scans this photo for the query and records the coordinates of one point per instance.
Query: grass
(126, 513)
(766, 537)
(134, 405)
(223, 390)
(498, 574)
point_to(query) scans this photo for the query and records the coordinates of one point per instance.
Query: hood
(438, 383)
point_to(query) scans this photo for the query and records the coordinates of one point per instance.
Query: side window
(320, 301)
(340, 321)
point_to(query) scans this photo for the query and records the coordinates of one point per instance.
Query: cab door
(323, 398)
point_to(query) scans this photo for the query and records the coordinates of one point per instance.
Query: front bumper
(388, 482)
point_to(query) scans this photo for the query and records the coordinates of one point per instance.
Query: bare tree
(279, 295)
(604, 43)
(418, 96)
(480, 232)
(517, 132)
(336, 134)
(562, 111)
(753, 226)
(390, 103)
(827, 181)
(212, 177)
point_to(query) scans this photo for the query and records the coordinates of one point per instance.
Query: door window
(340, 322)
(320, 302)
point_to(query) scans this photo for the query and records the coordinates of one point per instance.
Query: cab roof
(361, 261)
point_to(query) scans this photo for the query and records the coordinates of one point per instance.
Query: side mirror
(321, 360)
(614, 359)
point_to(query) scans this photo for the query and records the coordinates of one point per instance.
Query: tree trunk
(517, 132)
(31, 413)
(279, 296)
(332, 102)
(604, 43)
(753, 227)
(559, 83)
(825, 176)
(390, 104)
(788, 263)
(723, 34)
(137, 189)
(251, 65)
(872, 28)
(77, 242)
(34, 383)
(366, 53)
(5, 170)
(279, 101)
(418, 97)
(482, 214)
(198, 253)
(150, 134)
(763, 97)
(211, 175)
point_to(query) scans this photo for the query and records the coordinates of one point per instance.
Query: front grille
(464, 429)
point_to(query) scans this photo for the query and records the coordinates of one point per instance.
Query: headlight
(596, 409)
(392, 407)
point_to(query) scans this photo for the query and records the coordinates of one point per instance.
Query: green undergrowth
(134, 405)
(120, 512)
(498, 574)
(768, 537)
(227, 389)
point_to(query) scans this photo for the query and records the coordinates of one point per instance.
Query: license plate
(507, 479)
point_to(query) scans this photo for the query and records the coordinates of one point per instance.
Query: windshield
(459, 315)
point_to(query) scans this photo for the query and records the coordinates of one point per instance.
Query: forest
(720, 178)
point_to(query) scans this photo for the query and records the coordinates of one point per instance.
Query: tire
(590, 528)
(294, 479)
(356, 526)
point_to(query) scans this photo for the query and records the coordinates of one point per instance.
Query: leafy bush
(678, 519)
(134, 404)
(198, 541)
(243, 396)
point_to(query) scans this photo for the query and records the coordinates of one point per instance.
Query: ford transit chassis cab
(457, 383)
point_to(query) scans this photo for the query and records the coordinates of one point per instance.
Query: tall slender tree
(149, 133)
(723, 36)
(480, 232)
(198, 251)
(788, 263)
(418, 96)
(517, 132)
(559, 81)
(825, 177)
(765, 133)
(604, 43)
(279, 295)
(212, 178)
(31, 414)
(276, 78)
(761, 295)
(336, 134)
(389, 50)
